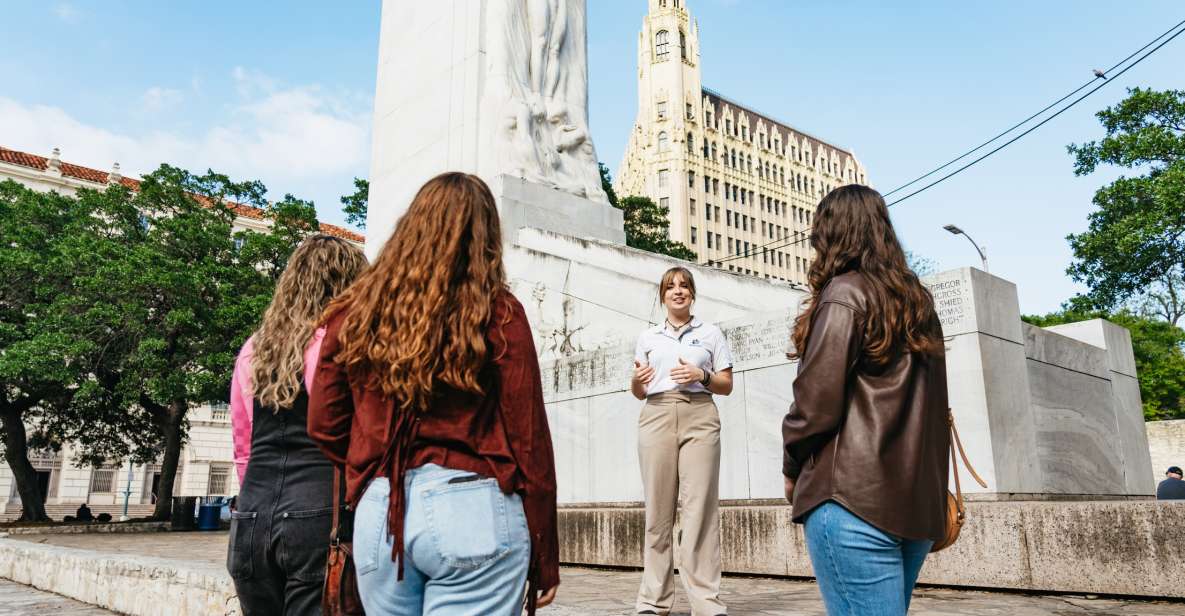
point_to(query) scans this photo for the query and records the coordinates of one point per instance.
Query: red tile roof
(86, 174)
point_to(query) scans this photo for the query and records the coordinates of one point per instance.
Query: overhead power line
(1098, 75)
(1106, 76)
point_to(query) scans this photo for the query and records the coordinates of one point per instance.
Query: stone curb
(135, 585)
(80, 529)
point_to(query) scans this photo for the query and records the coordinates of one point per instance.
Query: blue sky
(282, 92)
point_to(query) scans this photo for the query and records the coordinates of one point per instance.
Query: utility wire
(1107, 79)
(1105, 76)
(1041, 123)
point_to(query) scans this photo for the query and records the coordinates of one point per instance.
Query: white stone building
(206, 464)
(741, 186)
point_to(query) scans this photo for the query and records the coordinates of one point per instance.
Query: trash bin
(183, 508)
(208, 516)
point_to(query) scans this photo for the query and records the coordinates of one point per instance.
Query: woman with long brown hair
(281, 523)
(866, 440)
(428, 391)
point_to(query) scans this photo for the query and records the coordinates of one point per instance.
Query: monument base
(523, 203)
(1112, 547)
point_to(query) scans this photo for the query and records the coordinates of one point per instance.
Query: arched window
(713, 151)
(663, 142)
(662, 44)
(682, 42)
(733, 158)
(690, 143)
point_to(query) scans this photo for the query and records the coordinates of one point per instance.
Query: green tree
(647, 224)
(355, 205)
(1134, 247)
(921, 265)
(1157, 345)
(40, 366)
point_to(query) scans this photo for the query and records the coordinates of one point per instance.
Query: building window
(218, 484)
(661, 108)
(713, 152)
(730, 249)
(717, 213)
(743, 196)
(708, 237)
(690, 144)
(662, 44)
(665, 203)
(715, 187)
(664, 177)
(102, 480)
(690, 113)
(707, 210)
(220, 411)
(693, 235)
(718, 244)
(682, 43)
(664, 142)
(728, 217)
(691, 207)
(691, 179)
(707, 184)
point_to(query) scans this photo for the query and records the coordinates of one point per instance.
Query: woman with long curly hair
(867, 438)
(281, 523)
(428, 391)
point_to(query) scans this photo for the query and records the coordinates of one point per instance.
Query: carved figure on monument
(538, 70)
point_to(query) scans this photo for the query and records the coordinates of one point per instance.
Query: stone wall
(1112, 547)
(1166, 443)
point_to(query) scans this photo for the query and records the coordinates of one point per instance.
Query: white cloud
(157, 98)
(67, 12)
(289, 137)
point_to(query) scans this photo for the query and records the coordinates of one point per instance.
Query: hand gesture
(546, 596)
(686, 373)
(643, 373)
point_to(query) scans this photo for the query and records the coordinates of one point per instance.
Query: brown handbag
(956, 513)
(340, 594)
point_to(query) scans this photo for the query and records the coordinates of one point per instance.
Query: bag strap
(337, 504)
(956, 442)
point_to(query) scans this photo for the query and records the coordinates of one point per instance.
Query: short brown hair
(668, 278)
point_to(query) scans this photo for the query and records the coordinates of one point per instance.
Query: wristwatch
(707, 378)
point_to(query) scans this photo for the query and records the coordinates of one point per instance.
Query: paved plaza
(19, 600)
(588, 592)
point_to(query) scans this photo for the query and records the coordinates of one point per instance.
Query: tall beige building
(741, 187)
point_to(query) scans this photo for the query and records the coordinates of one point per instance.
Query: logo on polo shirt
(695, 342)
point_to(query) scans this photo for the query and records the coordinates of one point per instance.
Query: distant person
(678, 366)
(1172, 488)
(279, 532)
(867, 440)
(428, 390)
(84, 514)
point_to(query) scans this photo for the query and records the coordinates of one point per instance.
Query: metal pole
(982, 251)
(127, 494)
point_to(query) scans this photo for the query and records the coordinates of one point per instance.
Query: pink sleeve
(311, 354)
(240, 408)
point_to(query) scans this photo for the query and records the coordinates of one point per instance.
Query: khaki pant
(679, 451)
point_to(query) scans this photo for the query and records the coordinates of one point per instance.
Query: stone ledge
(136, 585)
(1098, 547)
(77, 529)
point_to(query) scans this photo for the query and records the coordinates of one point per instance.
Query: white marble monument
(498, 88)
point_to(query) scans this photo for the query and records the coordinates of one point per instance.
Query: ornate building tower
(741, 188)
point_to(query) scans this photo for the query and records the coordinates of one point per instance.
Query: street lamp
(982, 255)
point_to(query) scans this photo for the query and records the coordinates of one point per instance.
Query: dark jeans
(278, 562)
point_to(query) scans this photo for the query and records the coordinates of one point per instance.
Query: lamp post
(127, 494)
(982, 255)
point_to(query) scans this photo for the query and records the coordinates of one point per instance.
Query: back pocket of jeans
(468, 522)
(240, 553)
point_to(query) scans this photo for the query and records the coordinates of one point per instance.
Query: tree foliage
(1160, 360)
(148, 297)
(647, 224)
(1134, 247)
(355, 205)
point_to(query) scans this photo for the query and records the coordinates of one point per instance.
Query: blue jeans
(467, 547)
(862, 570)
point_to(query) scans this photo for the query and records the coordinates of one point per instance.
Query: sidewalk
(589, 592)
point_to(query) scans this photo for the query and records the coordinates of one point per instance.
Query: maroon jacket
(502, 434)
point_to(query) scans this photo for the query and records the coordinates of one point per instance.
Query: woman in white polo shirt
(678, 365)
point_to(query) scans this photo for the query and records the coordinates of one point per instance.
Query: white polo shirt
(701, 344)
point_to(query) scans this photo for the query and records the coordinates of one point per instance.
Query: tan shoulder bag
(956, 513)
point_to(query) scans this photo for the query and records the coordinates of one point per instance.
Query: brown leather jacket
(873, 439)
